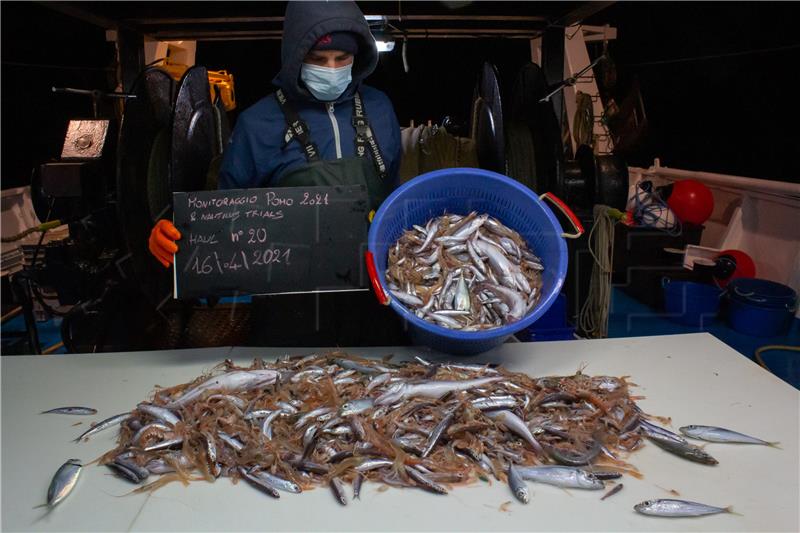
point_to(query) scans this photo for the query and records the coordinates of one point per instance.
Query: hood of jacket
(304, 23)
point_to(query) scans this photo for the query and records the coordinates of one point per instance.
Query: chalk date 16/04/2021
(258, 258)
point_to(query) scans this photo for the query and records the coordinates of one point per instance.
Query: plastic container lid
(762, 293)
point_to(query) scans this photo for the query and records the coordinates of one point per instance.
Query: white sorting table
(695, 379)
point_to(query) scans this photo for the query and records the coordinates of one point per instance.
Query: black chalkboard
(270, 241)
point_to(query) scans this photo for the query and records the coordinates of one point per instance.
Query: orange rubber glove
(162, 242)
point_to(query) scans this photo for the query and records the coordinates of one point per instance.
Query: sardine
(408, 299)
(355, 407)
(517, 484)
(71, 411)
(566, 477)
(64, 480)
(678, 508)
(716, 434)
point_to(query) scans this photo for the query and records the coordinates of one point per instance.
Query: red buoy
(734, 264)
(691, 201)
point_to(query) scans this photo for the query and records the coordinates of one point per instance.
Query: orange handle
(380, 294)
(568, 213)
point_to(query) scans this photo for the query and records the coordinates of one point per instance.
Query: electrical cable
(593, 317)
(649, 208)
(769, 347)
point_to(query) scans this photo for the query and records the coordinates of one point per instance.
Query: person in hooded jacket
(321, 127)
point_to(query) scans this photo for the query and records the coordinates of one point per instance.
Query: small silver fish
(357, 482)
(687, 451)
(716, 434)
(338, 490)
(278, 482)
(567, 477)
(678, 508)
(107, 423)
(517, 484)
(71, 411)
(355, 407)
(63, 482)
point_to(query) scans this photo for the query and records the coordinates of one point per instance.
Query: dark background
(716, 80)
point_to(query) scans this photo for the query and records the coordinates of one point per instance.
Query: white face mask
(325, 83)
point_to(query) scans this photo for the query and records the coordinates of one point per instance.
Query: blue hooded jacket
(258, 154)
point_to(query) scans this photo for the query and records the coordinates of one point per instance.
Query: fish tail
(729, 510)
(39, 506)
(774, 445)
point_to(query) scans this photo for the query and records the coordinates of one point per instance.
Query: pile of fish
(464, 272)
(333, 419)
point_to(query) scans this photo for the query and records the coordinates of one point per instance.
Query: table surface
(695, 379)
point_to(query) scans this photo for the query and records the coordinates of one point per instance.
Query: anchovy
(107, 423)
(430, 389)
(358, 367)
(338, 490)
(63, 482)
(359, 479)
(266, 425)
(355, 407)
(678, 508)
(650, 429)
(716, 434)
(164, 444)
(436, 434)
(425, 482)
(494, 402)
(233, 442)
(300, 376)
(377, 381)
(71, 411)
(277, 482)
(287, 407)
(561, 476)
(159, 412)
(260, 413)
(428, 239)
(243, 380)
(372, 464)
(234, 400)
(309, 438)
(517, 484)
(687, 451)
(259, 483)
(575, 460)
(304, 419)
(516, 425)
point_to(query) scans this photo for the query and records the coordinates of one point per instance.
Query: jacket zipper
(335, 131)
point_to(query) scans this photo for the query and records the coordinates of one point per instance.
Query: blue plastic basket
(459, 191)
(760, 307)
(690, 303)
